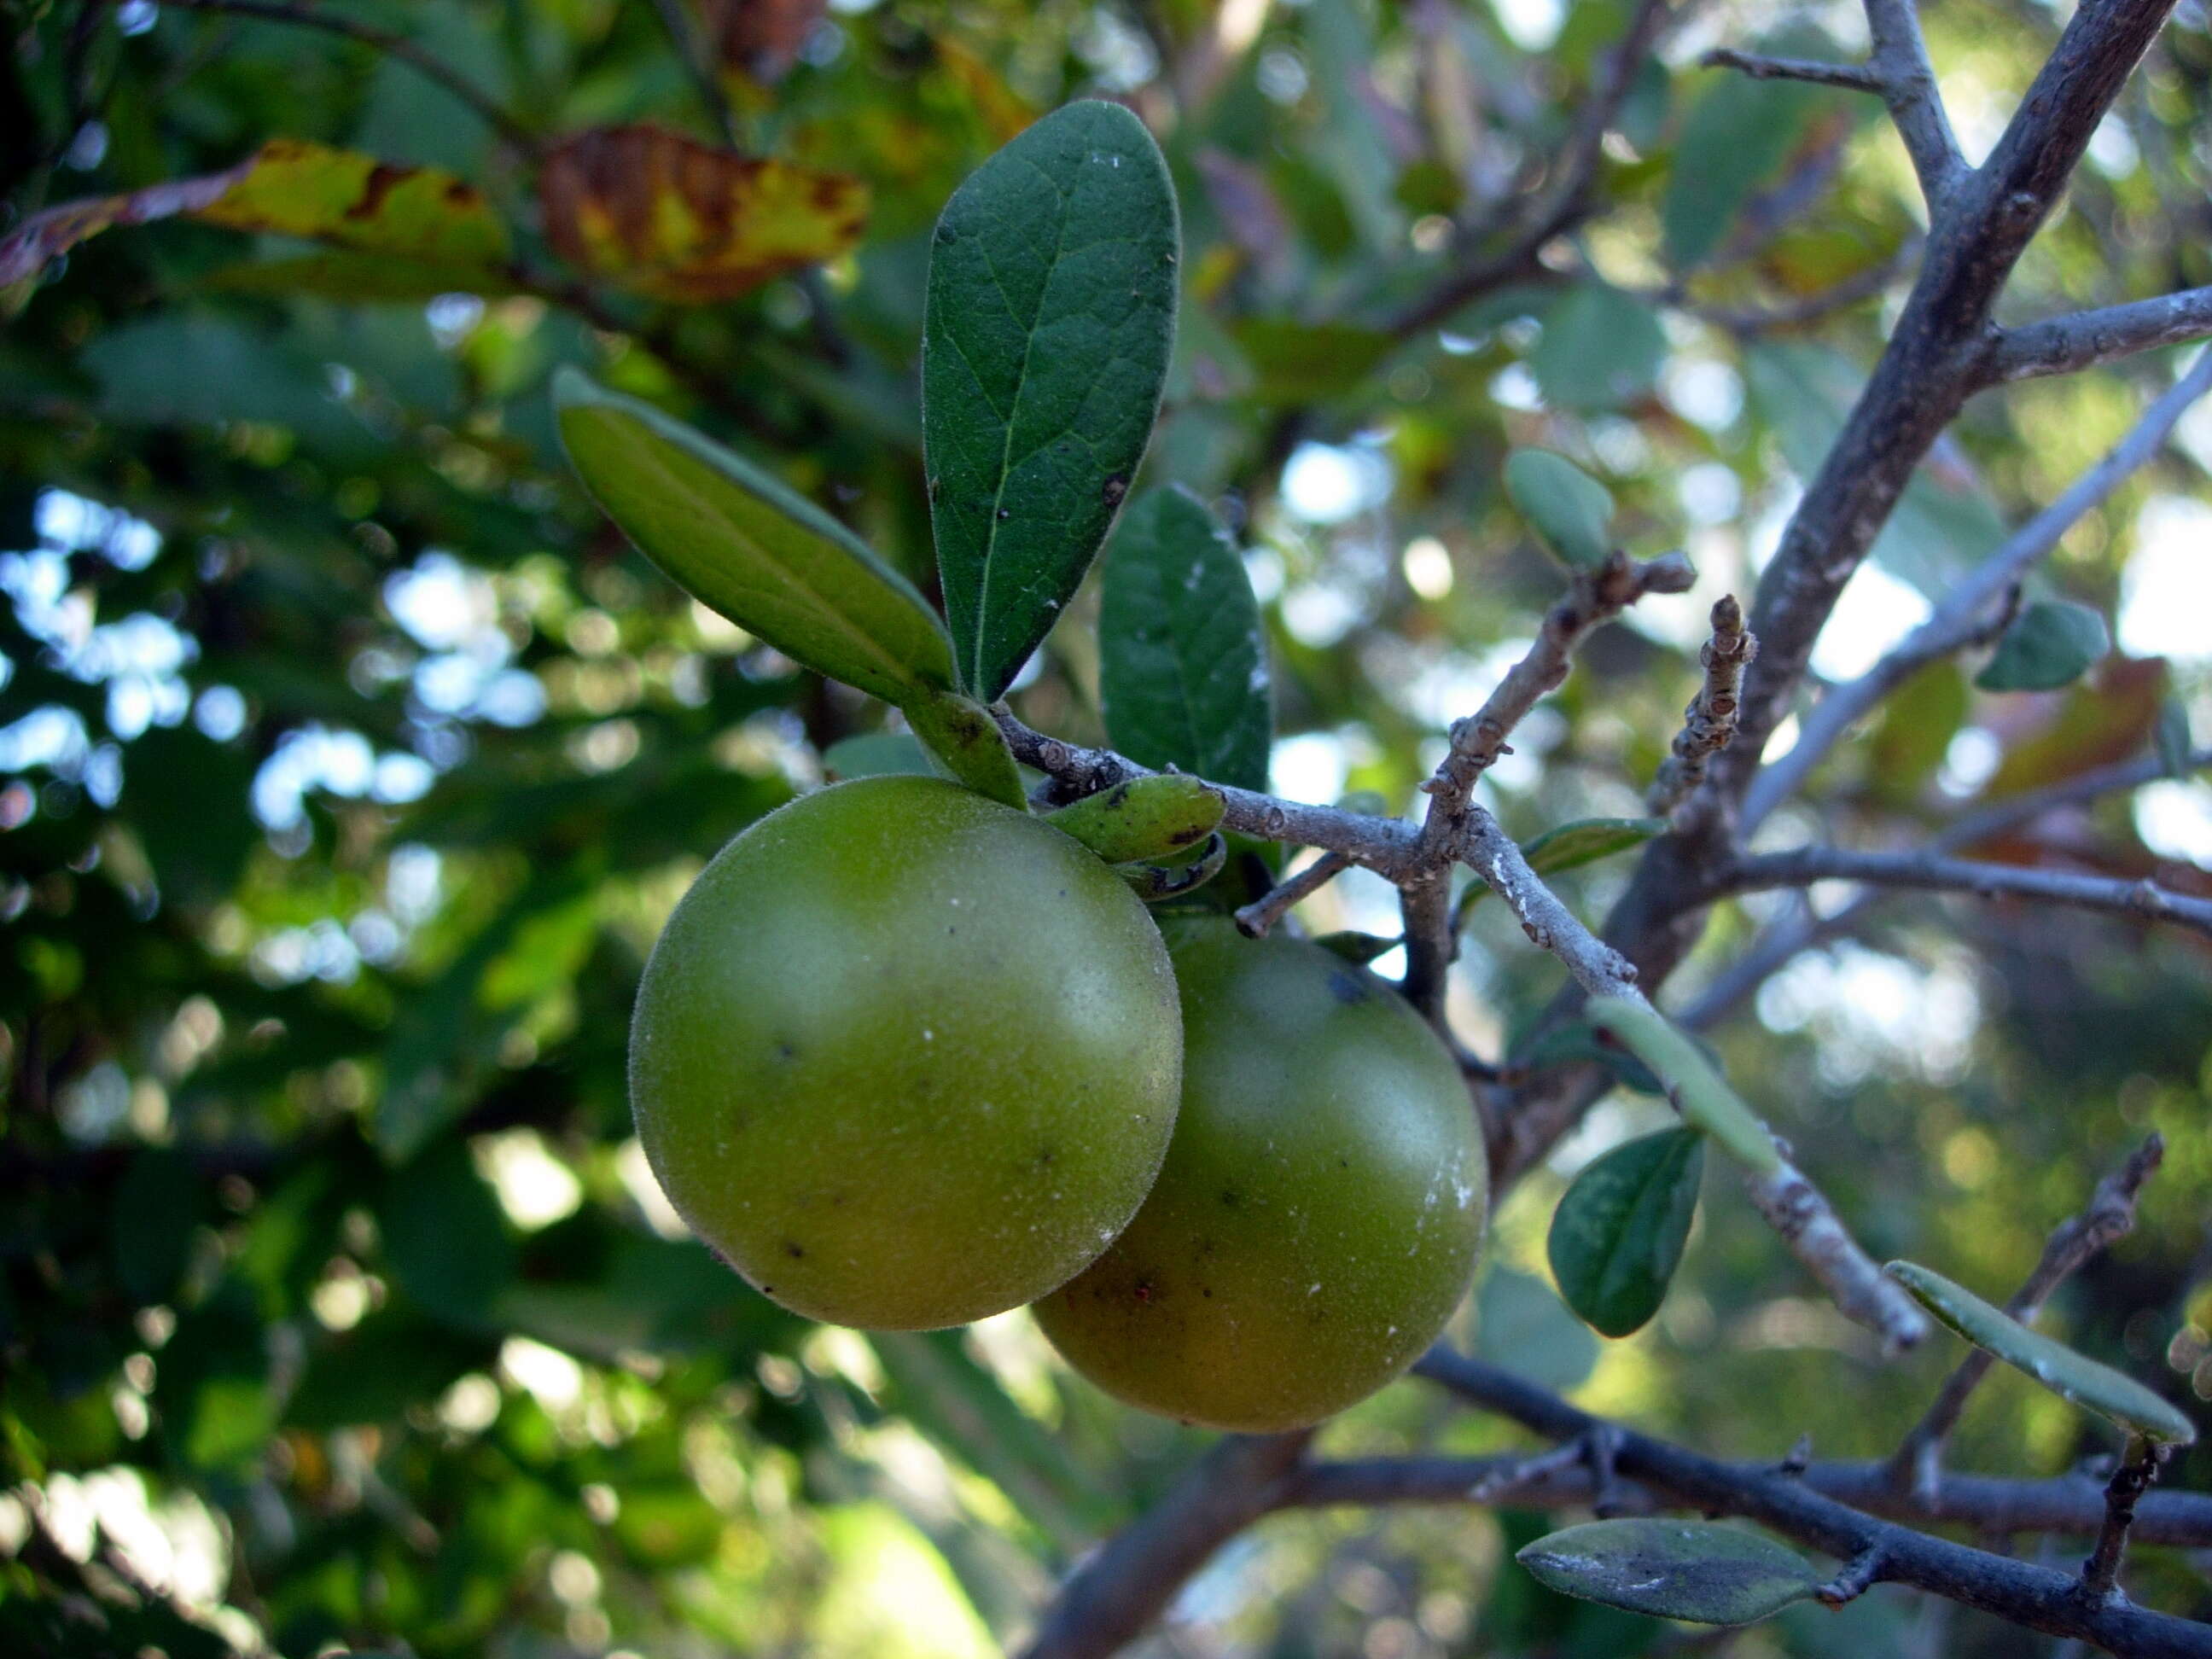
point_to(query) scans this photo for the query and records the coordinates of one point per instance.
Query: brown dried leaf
(759, 39)
(652, 211)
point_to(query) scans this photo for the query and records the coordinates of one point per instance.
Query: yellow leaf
(654, 211)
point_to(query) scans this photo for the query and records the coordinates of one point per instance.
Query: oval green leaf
(1182, 661)
(1618, 1234)
(1045, 343)
(1154, 882)
(1601, 350)
(1697, 1087)
(745, 544)
(2069, 1375)
(1699, 1571)
(2052, 643)
(1570, 512)
(1144, 818)
(960, 733)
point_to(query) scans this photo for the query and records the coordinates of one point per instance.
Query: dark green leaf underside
(1618, 1234)
(1694, 1570)
(1049, 321)
(1182, 661)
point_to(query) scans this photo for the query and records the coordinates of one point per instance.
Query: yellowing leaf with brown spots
(653, 211)
(289, 187)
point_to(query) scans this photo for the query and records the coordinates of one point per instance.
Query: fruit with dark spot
(899, 1126)
(1320, 1210)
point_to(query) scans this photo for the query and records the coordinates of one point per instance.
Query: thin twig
(698, 63)
(2138, 1468)
(1859, 1575)
(1915, 104)
(1808, 1224)
(393, 45)
(2145, 900)
(1560, 200)
(1961, 618)
(1853, 77)
(2110, 1215)
(2063, 345)
(1709, 723)
(1255, 919)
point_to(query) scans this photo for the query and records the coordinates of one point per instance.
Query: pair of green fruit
(906, 1057)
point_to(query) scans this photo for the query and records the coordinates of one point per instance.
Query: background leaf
(1601, 349)
(1695, 1569)
(743, 543)
(664, 215)
(1051, 315)
(1570, 512)
(1619, 1231)
(1182, 664)
(2050, 643)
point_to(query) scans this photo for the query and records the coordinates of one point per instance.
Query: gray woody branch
(1709, 723)
(2064, 345)
(1844, 1510)
(2144, 899)
(1963, 616)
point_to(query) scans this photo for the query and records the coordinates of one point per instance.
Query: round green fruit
(906, 1057)
(1320, 1209)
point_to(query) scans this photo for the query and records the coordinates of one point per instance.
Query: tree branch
(2063, 345)
(1962, 617)
(2145, 899)
(2109, 1216)
(1808, 1224)
(1255, 919)
(1709, 723)
(1908, 87)
(2138, 1468)
(1117, 1592)
(1561, 202)
(2025, 1595)
(1852, 77)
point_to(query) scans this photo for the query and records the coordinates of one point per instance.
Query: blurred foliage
(351, 761)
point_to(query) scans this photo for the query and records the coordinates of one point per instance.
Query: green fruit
(904, 1056)
(1320, 1210)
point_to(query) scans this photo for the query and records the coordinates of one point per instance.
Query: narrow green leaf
(1183, 669)
(1045, 345)
(745, 544)
(2052, 643)
(1600, 350)
(2069, 1375)
(1699, 1570)
(1569, 846)
(1570, 512)
(1697, 1088)
(1618, 1234)
(1144, 818)
(961, 733)
(2171, 738)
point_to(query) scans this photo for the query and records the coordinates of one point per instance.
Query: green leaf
(1045, 345)
(1569, 845)
(352, 276)
(1154, 882)
(1519, 1321)
(1144, 818)
(157, 1205)
(1697, 1087)
(2070, 1375)
(445, 1236)
(961, 733)
(1601, 349)
(2172, 740)
(877, 754)
(744, 544)
(1738, 135)
(1618, 1232)
(1570, 512)
(1699, 1571)
(1183, 669)
(1303, 362)
(1357, 947)
(2051, 644)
